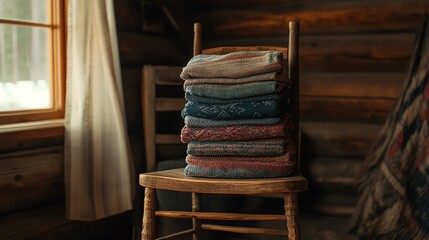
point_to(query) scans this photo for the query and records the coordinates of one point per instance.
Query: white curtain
(98, 164)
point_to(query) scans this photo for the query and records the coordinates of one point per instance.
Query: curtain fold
(98, 162)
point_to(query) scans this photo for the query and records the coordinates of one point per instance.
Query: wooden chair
(176, 181)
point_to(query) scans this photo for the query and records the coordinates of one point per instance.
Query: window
(32, 60)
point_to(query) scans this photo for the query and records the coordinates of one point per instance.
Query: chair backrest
(151, 77)
(290, 54)
(163, 75)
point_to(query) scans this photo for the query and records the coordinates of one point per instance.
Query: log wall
(354, 57)
(31, 161)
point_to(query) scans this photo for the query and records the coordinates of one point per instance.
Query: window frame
(57, 65)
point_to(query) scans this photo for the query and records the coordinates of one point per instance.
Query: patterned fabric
(394, 192)
(232, 65)
(266, 147)
(232, 133)
(238, 110)
(241, 167)
(197, 171)
(199, 99)
(201, 122)
(235, 91)
(270, 76)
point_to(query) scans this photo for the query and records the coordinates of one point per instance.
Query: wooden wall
(145, 36)
(354, 56)
(31, 161)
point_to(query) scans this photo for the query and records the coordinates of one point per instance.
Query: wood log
(340, 140)
(215, 5)
(138, 49)
(48, 223)
(263, 231)
(342, 52)
(352, 84)
(333, 175)
(221, 216)
(345, 109)
(32, 137)
(333, 17)
(328, 203)
(30, 179)
(128, 15)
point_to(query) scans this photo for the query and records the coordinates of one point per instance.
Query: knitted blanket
(197, 171)
(266, 147)
(201, 122)
(270, 76)
(232, 65)
(394, 188)
(199, 99)
(238, 110)
(240, 167)
(235, 91)
(232, 133)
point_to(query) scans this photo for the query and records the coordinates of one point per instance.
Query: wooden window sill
(20, 136)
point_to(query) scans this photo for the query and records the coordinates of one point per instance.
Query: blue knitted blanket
(203, 123)
(236, 90)
(265, 147)
(232, 65)
(199, 99)
(238, 110)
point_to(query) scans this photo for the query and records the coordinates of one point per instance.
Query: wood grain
(177, 235)
(180, 17)
(169, 104)
(352, 84)
(196, 223)
(341, 52)
(176, 181)
(128, 15)
(48, 223)
(346, 109)
(338, 139)
(352, 17)
(148, 222)
(221, 216)
(31, 138)
(292, 216)
(138, 49)
(31, 179)
(148, 106)
(246, 230)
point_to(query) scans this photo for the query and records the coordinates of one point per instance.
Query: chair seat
(175, 180)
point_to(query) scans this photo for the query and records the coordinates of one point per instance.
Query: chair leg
(196, 223)
(292, 216)
(148, 232)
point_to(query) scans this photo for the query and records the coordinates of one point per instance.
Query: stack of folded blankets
(236, 120)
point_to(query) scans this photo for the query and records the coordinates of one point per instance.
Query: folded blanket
(240, 167)
(233, 133)
(244, 90)
(197, 171)
(270, 76)
(202, 122)
(238, 110)
(274, 96)
(232, 65)
(266, 147)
